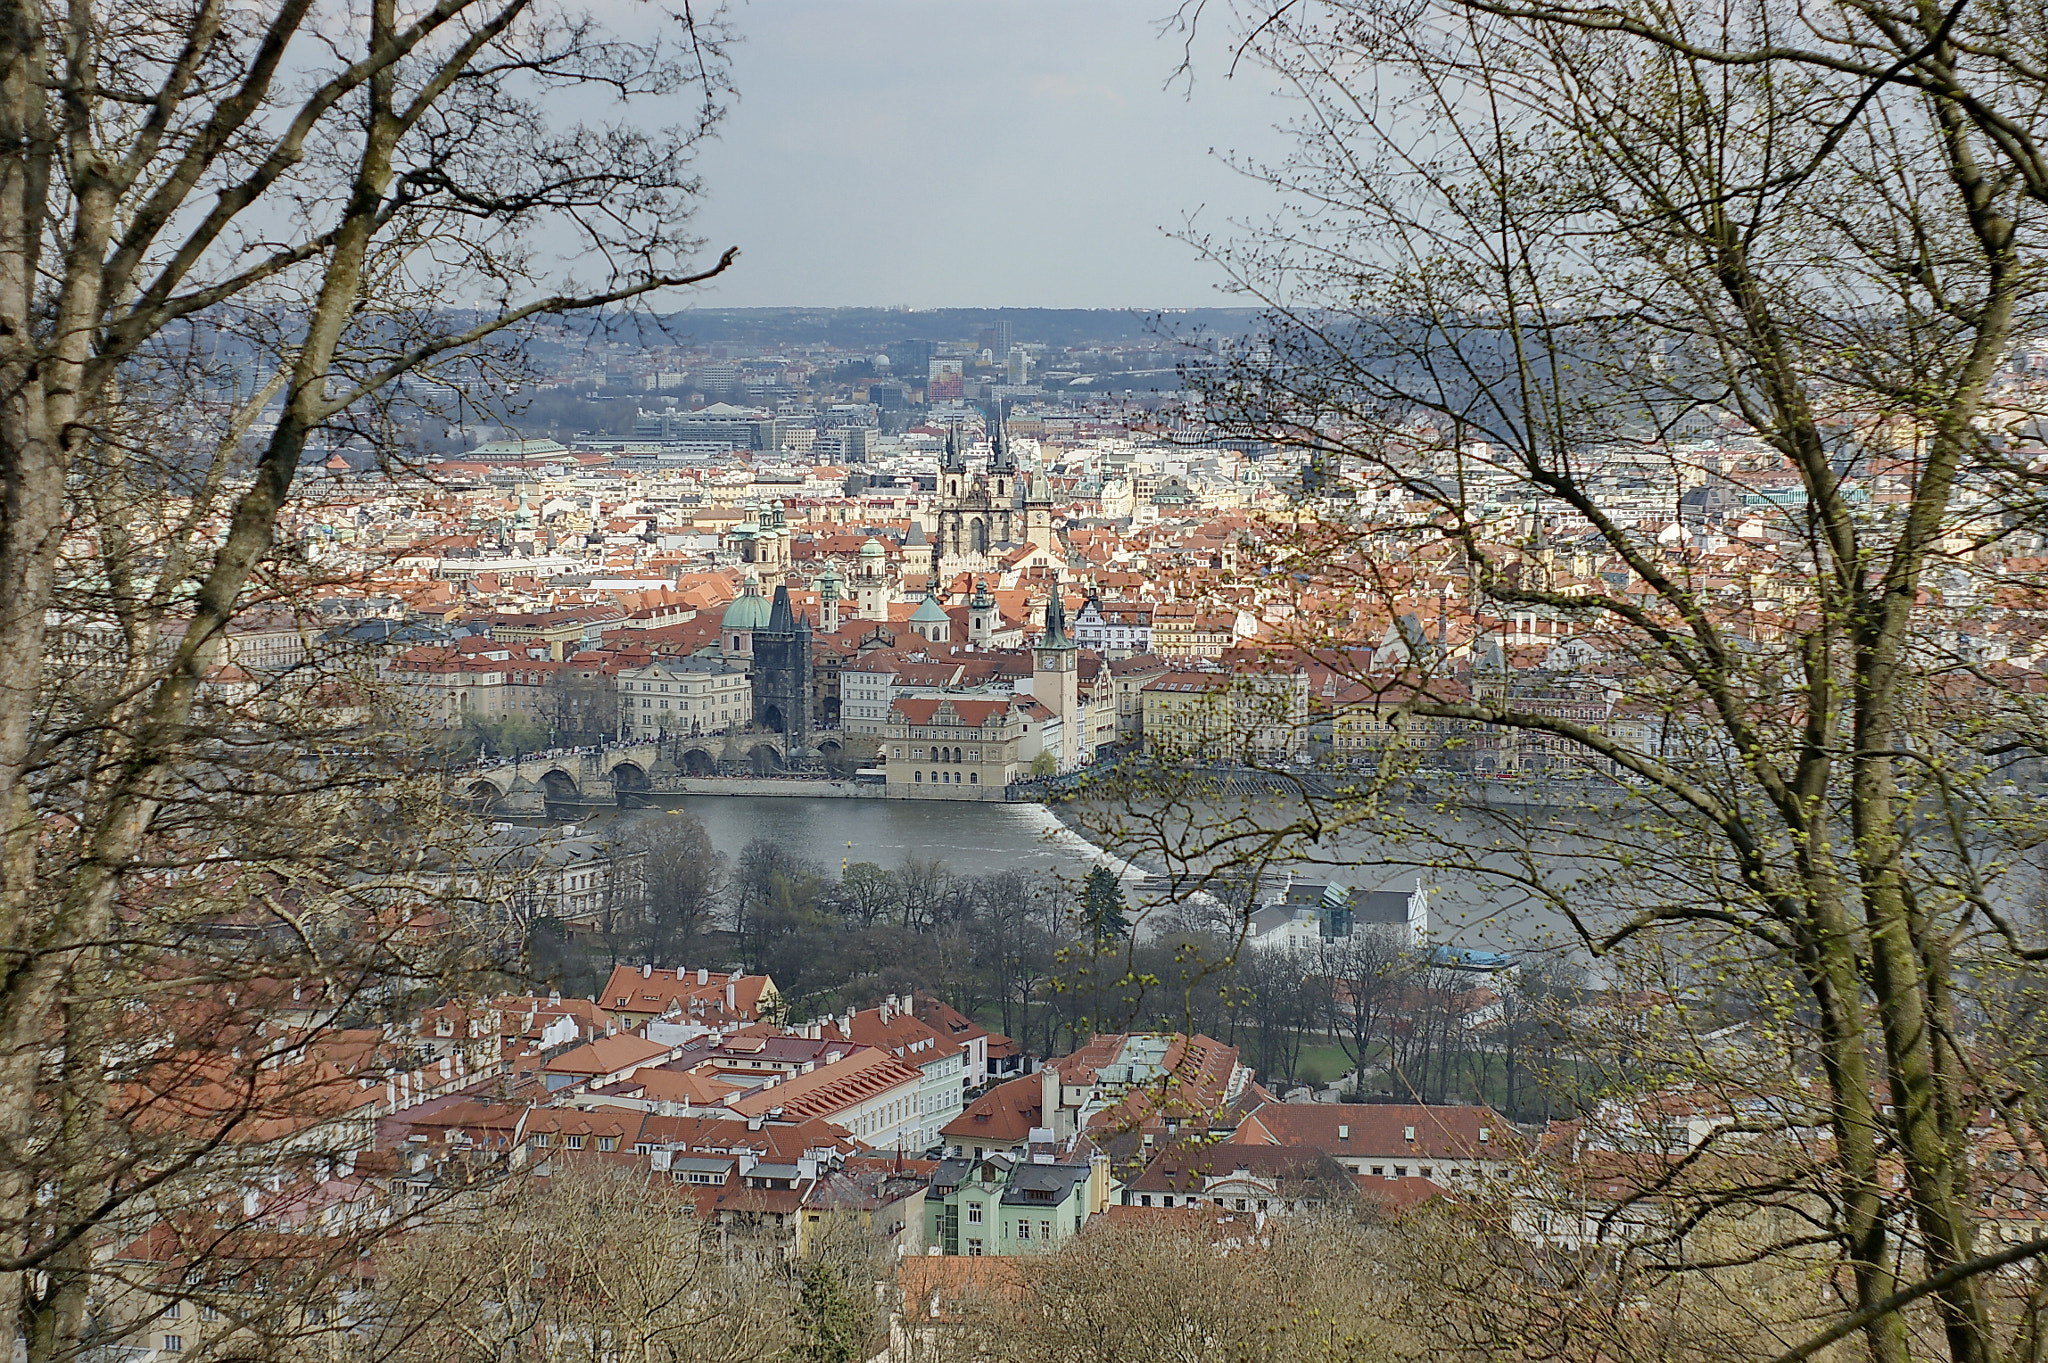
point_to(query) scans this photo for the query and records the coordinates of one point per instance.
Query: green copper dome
(749, 611)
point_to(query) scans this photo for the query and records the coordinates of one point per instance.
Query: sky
(975, 153)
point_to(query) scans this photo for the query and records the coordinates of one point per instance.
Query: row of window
(647, 703)
(950, 778)
(689, 687)
(976, 1246)
(542, 1139)
(176, 1311)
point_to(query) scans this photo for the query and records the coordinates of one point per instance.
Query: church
(983, 516)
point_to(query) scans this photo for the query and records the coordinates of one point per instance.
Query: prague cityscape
(1424, 741)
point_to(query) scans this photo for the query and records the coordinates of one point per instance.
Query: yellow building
(1250, 715)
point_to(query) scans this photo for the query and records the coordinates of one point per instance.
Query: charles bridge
(629, 775)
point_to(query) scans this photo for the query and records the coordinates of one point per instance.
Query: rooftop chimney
(703, 975)
(646, 970)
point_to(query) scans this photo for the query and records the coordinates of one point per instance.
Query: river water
(982, 838)
(971, 838)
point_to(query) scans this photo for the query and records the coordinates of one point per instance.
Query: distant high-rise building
(1017, 366)
(910, 357)
(946, 380)
(717, 378)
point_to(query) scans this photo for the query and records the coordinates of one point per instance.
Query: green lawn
(1320, 1065)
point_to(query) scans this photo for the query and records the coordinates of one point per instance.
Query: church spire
(1055, 622)
(1000, 456)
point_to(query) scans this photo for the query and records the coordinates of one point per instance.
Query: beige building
(1128, 679)
(444, 688)
(960, 747)
(1185, 630)
(1255, 716)
(693, 695)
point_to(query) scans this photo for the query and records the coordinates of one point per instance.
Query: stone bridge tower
(782, 673)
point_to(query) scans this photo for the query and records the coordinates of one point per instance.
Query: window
(974, 1248)
(541, 1139)
(173, 1311)
(607, 1143)
(974, 1213)
(1045, 1230)
(1400, 1171)
(1023, 1230)
(174, 1344)
(575, 1142)
(1144, 1199)
(1426, 1171)
(1379, 1171)
(1343, 1133)
(1484, 1132)
(1407, 1133)
(1240, 1204)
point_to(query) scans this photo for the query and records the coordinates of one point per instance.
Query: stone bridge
(628, 774)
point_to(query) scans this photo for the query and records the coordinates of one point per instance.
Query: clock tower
(1055, 683)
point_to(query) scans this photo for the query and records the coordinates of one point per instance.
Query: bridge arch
(766, 758)
(481, 794)
(631, 785)
(559, 787)
(699, 761)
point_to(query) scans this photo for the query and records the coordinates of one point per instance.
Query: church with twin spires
(985, 515)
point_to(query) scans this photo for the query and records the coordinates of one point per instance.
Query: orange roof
(607, 1055)
(830, 1088)
(1002, 1116)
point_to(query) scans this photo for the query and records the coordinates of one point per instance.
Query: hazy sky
(974, 153)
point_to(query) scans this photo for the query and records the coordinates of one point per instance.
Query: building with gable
(959, 745)
(634, 996)
(893, 1028)
(1013, 1204)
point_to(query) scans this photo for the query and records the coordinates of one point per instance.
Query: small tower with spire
(828, 600)
(1038, 512)
(871, 582)
(1002, 463)
(1055, 682)
(983, 619)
